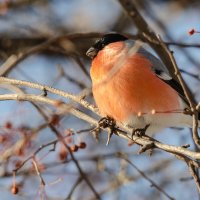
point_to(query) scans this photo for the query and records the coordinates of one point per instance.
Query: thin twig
(42, 182)
(124, 157)
(78, 181)
(187, 95)
(61, 139)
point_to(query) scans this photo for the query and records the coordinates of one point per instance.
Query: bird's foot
(147, 147)
(140, 131)
(108, 122)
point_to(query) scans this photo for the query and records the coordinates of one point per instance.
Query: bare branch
(123, 156)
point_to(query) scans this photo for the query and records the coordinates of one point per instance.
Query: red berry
(3, 138)
(63, 155)
(14, 189)
(74, 148)
(58, 103)
(55, 120)
(8, 125)
(20, 151)
(130, 143)
(82, 145)
(18, 163)
(191, 32)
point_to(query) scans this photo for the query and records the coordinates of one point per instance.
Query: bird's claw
(107, 122)
(149, 146)
(140, 131)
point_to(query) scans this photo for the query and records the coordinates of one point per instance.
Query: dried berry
(14, 189)
(191, 32)
(74, 148)
(20, 151)
(63, 155)
(58, 103)
(55, 120)
(8, 125)
(130, 143)
(18, 163)
(3, 139)
(82, 145)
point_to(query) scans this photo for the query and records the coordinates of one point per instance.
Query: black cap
(102, 42)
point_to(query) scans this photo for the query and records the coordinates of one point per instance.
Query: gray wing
(162, 72)
(157, 66)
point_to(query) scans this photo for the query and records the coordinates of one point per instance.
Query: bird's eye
(102, 45)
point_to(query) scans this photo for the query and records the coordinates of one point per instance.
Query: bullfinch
(134, 87)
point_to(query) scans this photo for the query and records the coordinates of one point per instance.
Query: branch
(124, 157)
(13, 60)
(187, 95)
(75, 98)
(190, 157)
(124, 134)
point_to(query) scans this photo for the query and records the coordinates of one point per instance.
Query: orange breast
(133, 89)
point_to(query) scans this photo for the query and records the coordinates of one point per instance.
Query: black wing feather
(177, 87)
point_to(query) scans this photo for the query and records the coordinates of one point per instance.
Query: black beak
(92, 52)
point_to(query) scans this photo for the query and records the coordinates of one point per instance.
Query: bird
(133, 87)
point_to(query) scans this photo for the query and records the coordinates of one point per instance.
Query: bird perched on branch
(133, 87)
